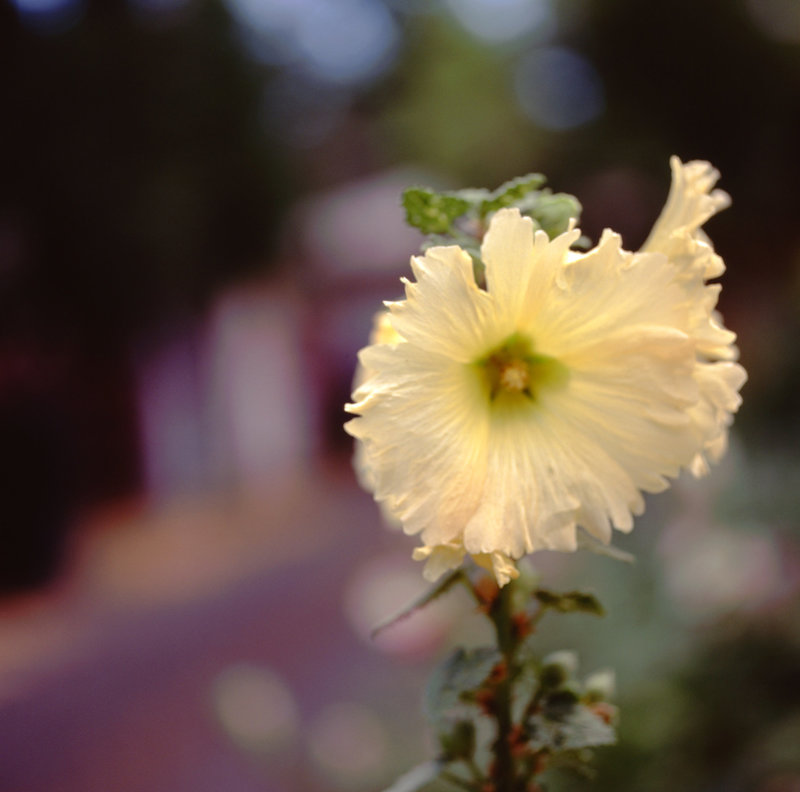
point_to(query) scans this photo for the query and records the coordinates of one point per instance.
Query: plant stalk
(504, 770)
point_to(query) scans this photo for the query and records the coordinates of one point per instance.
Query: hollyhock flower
(522, 416)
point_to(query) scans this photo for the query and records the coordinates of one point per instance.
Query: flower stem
(504, 767)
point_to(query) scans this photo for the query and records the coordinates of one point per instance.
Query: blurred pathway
(105, 684)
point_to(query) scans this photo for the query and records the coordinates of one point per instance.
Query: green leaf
(512, 192)
(458, 741)
(462, 672)
(432, 212)
(420, 602)
(571, 602)
(553, 212)
(417, 777)
(474, 196)
(581, 728)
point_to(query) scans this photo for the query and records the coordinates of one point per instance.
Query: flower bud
(558, 668)
(600, 686)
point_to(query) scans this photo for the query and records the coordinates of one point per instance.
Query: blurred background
(199, 214)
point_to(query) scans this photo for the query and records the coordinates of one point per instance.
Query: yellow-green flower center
(514, 373)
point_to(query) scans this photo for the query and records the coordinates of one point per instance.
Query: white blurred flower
(565, 659)
(500, 421)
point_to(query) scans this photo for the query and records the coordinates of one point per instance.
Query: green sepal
(432, 212)
(553, 675)
(570, 602)
(424, 599)
(462, 673)
(511, 193)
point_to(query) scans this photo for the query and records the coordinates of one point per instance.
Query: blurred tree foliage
(137, 179)
(137, 173)
(451, 108)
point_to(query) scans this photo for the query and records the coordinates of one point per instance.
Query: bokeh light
(499, 21)
(724, 572)
(349, 41)
(340, 42)
(558, 88)
(256, 708)
(348, 744)
(49, 16)
(383, 587)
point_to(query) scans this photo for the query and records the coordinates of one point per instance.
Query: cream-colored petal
(424, 426)
(620, 423)
(521, 266)
(444, 311)
(691, 202)
(525, 503)
(678, 235)
(714, 341)
(602, 293)
(439, 559)
(383, 330)
(719, 384)
(507, 252)
(500, 565)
